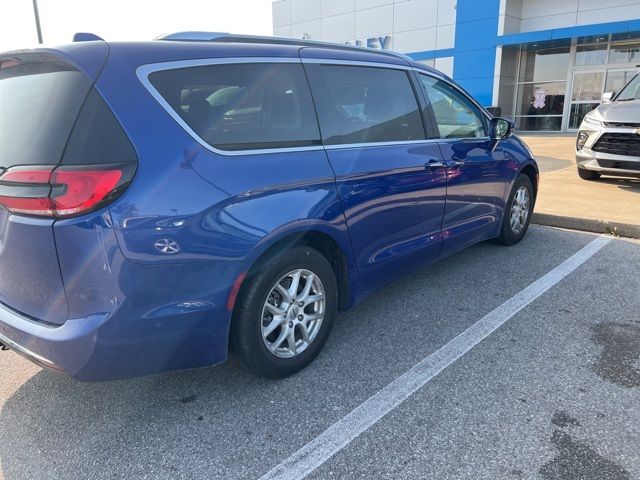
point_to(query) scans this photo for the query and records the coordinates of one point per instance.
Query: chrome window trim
(355, 63)
(144, 71)
(341, 146)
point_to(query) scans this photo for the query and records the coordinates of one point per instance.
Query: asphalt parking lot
(565, 200)
(552, 393)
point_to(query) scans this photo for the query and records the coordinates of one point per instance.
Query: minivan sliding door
(388, 179)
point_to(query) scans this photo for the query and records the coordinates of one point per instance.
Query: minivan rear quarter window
(98, 137)
(242, 106)
(40, 96)
(365, 104)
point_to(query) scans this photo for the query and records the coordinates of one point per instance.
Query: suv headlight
(581, 139)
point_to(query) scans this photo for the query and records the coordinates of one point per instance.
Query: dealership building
(544, 63)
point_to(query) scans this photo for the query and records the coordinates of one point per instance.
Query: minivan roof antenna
(86, 37)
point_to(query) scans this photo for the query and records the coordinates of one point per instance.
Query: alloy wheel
(292, 314)
(520, 207)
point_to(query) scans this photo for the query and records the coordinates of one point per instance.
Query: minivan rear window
(242, 106)
(40, 96)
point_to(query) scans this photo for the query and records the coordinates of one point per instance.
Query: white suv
(608, 141)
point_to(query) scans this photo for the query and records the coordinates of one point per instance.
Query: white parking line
(347, 429)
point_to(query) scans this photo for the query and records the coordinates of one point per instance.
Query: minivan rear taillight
(62, 192)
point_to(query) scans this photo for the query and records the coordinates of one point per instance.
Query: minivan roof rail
(233, 38)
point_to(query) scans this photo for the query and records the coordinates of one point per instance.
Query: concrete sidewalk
(609, 205)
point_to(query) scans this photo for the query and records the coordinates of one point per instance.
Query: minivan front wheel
(518, 211)
(285, 312)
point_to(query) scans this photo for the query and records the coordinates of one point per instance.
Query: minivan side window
(455, 115)
(361, 104)
(243, 106)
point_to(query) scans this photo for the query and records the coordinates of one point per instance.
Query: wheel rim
(520, 210)
(292, 314)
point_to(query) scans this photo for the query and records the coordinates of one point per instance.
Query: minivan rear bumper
(104, 347)
(7, 344)
(64, 348)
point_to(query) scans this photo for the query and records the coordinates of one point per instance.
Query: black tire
(585, 174)
(507, 235)
(246, 333)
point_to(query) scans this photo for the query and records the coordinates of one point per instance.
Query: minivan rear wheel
(519, 209)
(285, 312)
(585, 174)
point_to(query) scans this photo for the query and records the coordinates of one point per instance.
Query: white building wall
(412, 25)
(305, 10)
(510, 16)
(338, 28)
(337, 7)
(281, 13)
(445, 65)
(532, 15)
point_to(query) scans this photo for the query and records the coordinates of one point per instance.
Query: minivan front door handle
(454, 162)
(434, 163)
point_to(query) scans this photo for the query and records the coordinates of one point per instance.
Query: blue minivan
(164, 202)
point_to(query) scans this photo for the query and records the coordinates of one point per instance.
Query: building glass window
(587, 86)
(544, 99)
(541, 98)
(595, 54)
(541, 87)
(539, 123)
(578, 111)
(595, 63)
(625, 52)
(585, 95)
(544, 64)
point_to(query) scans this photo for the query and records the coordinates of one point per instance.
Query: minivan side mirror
(500, 128)
(607, 96)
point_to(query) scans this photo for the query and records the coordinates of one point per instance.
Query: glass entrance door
(588, 87)
(585, 95)
(542, 81)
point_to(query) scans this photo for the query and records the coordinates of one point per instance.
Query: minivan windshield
(631, 91)
(40, 97)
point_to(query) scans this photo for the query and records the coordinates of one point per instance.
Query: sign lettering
(374, 42)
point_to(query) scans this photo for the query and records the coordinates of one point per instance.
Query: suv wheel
(585, 174)
(518, 212)
(285, 312)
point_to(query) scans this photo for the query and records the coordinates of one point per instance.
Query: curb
(587, 225)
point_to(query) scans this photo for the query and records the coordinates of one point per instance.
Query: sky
(127, 19)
